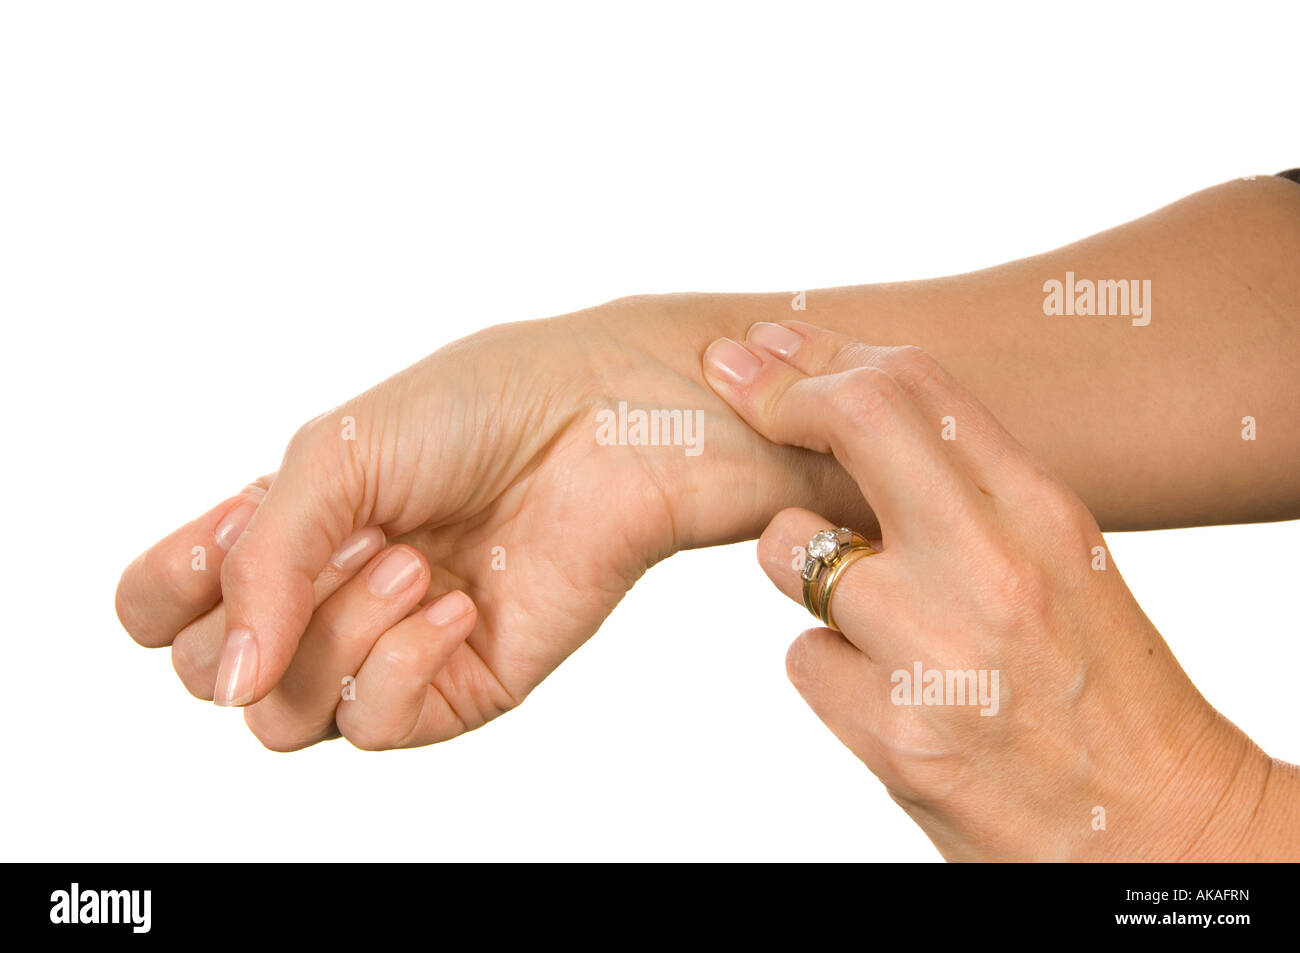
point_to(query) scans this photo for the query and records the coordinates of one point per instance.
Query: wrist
(649, 353)
(1273, 833)
(1256, 816)
(1205, 805)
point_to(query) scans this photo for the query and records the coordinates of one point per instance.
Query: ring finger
(867, 590)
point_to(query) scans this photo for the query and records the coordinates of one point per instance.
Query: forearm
(1144, 421)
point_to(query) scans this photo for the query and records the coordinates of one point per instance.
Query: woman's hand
(485, 468)
(1088, 740)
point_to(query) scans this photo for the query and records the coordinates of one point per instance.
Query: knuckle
(913, 779)
(403, 657)
(864, 394)
(768, 401)
(327, 435)
(176, 577)
(308, 437)
(1064, 511)
(1019, 589)
(1056, 504)
(238, 571)
(338, 442)
(644, 300)
(124, 603)
(194, 674)
(365, 734)
(781, 533)
(913, 367)
(800, 658)
(796, 661)
(846, 355)
(334, 623)
(275, 733)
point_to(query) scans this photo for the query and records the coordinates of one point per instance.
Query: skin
(988, 562)
(487, 446)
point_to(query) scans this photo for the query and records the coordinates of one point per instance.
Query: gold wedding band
(829, 554)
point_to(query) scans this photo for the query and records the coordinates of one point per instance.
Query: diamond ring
(829, 554)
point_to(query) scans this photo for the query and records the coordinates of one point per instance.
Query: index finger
(862, 416)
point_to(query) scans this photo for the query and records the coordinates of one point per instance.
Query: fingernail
(394, 573)
(780, 341)
(449, 608)
(236, 520)
(237, 674)
(357, 549)
(732, 362)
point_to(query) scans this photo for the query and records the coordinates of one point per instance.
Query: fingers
(179, 578)
(267, 579)
(842, 686)
(862, 416)
(394, 705)
(300, 710)
(196, 651)
(971, 433)
(866, 593)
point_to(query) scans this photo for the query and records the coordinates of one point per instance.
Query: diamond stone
(822, 545)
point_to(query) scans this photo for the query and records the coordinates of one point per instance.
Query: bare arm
(494, 441)
(1144, 421)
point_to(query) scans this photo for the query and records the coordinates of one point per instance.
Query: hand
(990, 566)
(481, 465)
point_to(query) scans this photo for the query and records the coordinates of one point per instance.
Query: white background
(218, 220)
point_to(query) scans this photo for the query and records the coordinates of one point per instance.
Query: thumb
(267, 578)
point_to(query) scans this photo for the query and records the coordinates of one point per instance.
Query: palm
(546, 561)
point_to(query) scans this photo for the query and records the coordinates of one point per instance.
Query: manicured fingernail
(358, 548)
(236, 520)
(780, 341)
(237, 674)
(732, 362)
(449, 608)
(394, 573)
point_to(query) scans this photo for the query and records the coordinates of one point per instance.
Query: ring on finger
(829, 554)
